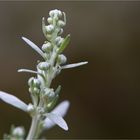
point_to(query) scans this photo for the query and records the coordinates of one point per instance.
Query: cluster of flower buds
(55, 27)
(17, 133)
(52, 32)
(34, 85)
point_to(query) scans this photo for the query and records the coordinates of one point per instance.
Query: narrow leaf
(52, 104)
(12, 100)
(27, 70)
(64, 17)
(57, 91)
(61, 110)
(64, 44)
(44, 27)
(57, 120)
(33, 46)
(73, 65)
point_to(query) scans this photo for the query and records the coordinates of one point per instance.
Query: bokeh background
(105, 94)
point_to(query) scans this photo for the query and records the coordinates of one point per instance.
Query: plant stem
(33, 128)
(35, 119)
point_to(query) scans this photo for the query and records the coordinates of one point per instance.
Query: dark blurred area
(105, 94)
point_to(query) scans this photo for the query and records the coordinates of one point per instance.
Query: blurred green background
(105, 94)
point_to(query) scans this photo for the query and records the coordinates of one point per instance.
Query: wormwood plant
(42, 108)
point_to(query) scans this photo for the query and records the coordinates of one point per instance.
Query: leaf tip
(68, 35)
(19, 70)
(23, 37)
(86, 62)
(43, 18)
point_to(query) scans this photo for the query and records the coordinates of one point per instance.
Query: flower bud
(59, 40)
(49, 93)
(61, 59)
(46, 47)
(56, 18)
(49, 29)
(49, 36)
(33, 82)
(59, 13)
(18, 131)
(36, 82)
(61, 23)
(43, 65)
(56, 14)
(51, 13)
(35, 90)
(50, 20)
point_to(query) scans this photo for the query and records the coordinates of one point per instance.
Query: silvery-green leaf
(33, 46)
(61, 110)
(57, 119)
(51, 105)
(12, 100)
(27, 70)
(57, 91)
(44, 27)
(64, 44)
(73, 65)
(64, 17)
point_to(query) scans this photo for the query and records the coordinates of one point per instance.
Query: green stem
(34, 132)
(33, 128)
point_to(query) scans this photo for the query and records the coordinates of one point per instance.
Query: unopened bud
(61, 23)
(50, 20)
(49, 36)
(59, 40)
(46, 47)
(56, 18)
(49, 93)
(44, 65)
(51, 13)
(36, 82)
(49, 29)
(35, 90)
(62, 59)
(18, 131)
(59, 13)
(33, 82)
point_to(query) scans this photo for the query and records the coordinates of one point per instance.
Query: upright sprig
(43, 96)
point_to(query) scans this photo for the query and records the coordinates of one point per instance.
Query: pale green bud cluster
(56, 24)
(17, 133)
(39, 86)
(34, 85)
